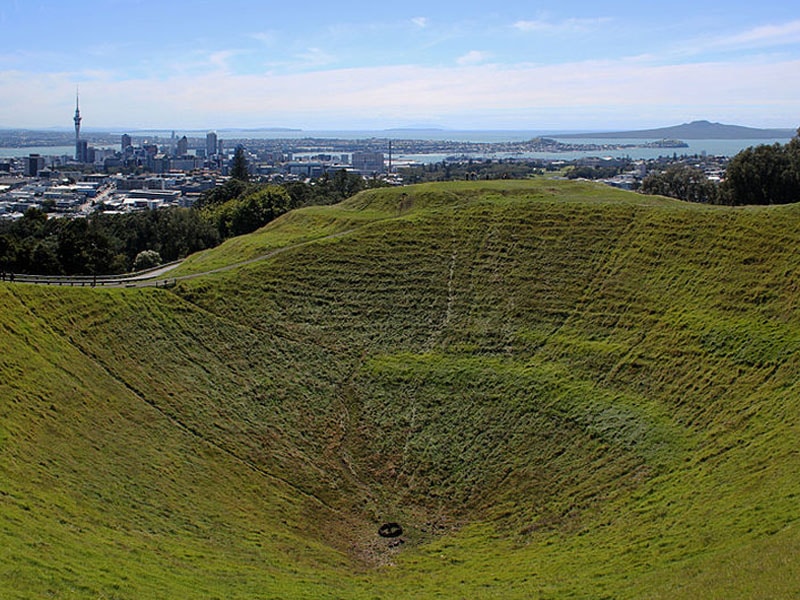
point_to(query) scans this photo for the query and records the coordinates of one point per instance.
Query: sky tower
(77, 120)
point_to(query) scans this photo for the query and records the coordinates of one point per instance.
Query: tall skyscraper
(79, 156)
(82, 151)
(183, 147)
(211, 143)
(33, 164)
(125, 141)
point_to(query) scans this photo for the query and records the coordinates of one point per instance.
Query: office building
(82, 151)
(183, 147)
(211, 143)
(33, 164)
(368, 163)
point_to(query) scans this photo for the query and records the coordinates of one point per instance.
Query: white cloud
(315, 57)
(219, 60)
(265, 37)
(473, 57)
(310, 59)
(195, 63)
(762, 36)
(566, 26)
(754, 39)
(593, 94)
(421, 22)
(532, 25)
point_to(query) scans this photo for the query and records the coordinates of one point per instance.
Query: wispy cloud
(760, 38)
(763, 36)
(265, 37)
(310, 59)
(581, 94)
(421, 22)
(104, 49)
(221, 59)
(315, 57)
(575, 25)
(473, 57)
(194, 64)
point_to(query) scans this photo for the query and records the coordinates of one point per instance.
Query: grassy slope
(105, 494)
(559, 390)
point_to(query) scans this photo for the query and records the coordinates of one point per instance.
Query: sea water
(710, 147)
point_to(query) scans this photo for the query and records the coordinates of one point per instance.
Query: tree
(74, 249)
(32, 223)
(89, 247)
(300, 192)
(146, 259)
(246, 214)
(764, 175)
(102, 243)
(8, 252)
(180, 231)
(233, 188)
(587, 172)
(682, 182)
(45, 257)
(239, 166)
(347, 184)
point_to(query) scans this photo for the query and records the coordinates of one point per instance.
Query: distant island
(696, 130)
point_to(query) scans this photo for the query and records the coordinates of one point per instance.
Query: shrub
(146, 259)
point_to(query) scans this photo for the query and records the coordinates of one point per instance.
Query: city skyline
(568, 65)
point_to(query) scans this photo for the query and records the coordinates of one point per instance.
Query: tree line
(765, 174)
(474, 169)
(104, 243)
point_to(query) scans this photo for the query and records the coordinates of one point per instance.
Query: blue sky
(372, 65)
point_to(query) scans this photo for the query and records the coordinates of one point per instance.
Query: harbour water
(710, 147)
(41, 150)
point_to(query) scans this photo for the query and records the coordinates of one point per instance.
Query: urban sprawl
(147, 173)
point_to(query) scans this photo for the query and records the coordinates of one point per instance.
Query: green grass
(104, 493)
(559, 389)
(298, 227)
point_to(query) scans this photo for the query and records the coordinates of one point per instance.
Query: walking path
(151, 277)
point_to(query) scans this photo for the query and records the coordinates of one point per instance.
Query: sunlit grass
(559, 390)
